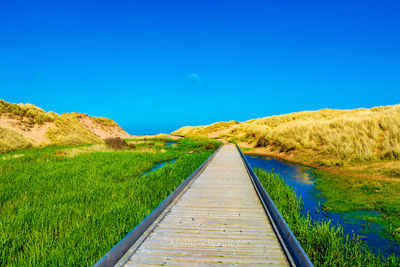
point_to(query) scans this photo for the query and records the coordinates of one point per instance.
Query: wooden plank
(219, 221)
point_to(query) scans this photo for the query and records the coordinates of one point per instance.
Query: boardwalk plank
(218, 221)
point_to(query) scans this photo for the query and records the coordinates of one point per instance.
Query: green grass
(244, 149)
(58, 210)
(346, 193)
(324, 244)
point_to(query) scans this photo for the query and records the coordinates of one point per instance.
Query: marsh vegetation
(346, 193)
(361, 220)
(67, 206)
(324, 243)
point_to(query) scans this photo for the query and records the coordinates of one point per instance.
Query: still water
(169, 143)
(299, 177)
(157, 166)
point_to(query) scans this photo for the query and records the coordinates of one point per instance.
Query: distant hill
(25, 125)
(325, 137)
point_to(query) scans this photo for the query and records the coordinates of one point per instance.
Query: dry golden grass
(104, 121)
(69, 131)
(15, 156)
(27, 113)
(75, 151)
(12, 140)
(213, 130)
(330, 137)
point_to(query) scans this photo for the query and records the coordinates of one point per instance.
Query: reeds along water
(323, 243)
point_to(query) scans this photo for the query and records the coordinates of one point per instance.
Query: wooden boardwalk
(219, 220)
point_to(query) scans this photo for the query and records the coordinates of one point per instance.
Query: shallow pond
(298, 176)
(157, 166)
(170, 143)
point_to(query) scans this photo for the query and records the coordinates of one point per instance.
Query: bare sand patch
(37, 132)
(102, 131)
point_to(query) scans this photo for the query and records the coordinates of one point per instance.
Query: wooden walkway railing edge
(118, 251)
(292, 248)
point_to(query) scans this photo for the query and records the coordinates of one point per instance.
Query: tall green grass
(69, 211)
(324, 244)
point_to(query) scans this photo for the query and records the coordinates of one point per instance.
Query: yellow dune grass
(330, 137)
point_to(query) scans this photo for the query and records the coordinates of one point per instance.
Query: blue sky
(154, 66)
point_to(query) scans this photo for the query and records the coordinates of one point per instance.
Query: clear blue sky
(154, 66)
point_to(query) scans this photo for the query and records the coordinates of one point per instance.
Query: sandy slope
(100, 130)
(37, 132)
(25, 125)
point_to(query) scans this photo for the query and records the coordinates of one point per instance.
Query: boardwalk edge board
(292, 248)
(116, 253)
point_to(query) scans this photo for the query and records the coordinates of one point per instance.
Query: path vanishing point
(218, 218)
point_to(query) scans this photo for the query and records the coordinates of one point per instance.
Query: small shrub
(132, 145)
(115, 143)
(261, 142)
(391, 155)
(395, 172)
(212, 146)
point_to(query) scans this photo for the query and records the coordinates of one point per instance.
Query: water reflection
(299, 177)
(157, 166)
(169, 143)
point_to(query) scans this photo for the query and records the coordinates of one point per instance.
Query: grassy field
(67, 206)
(323, 243)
